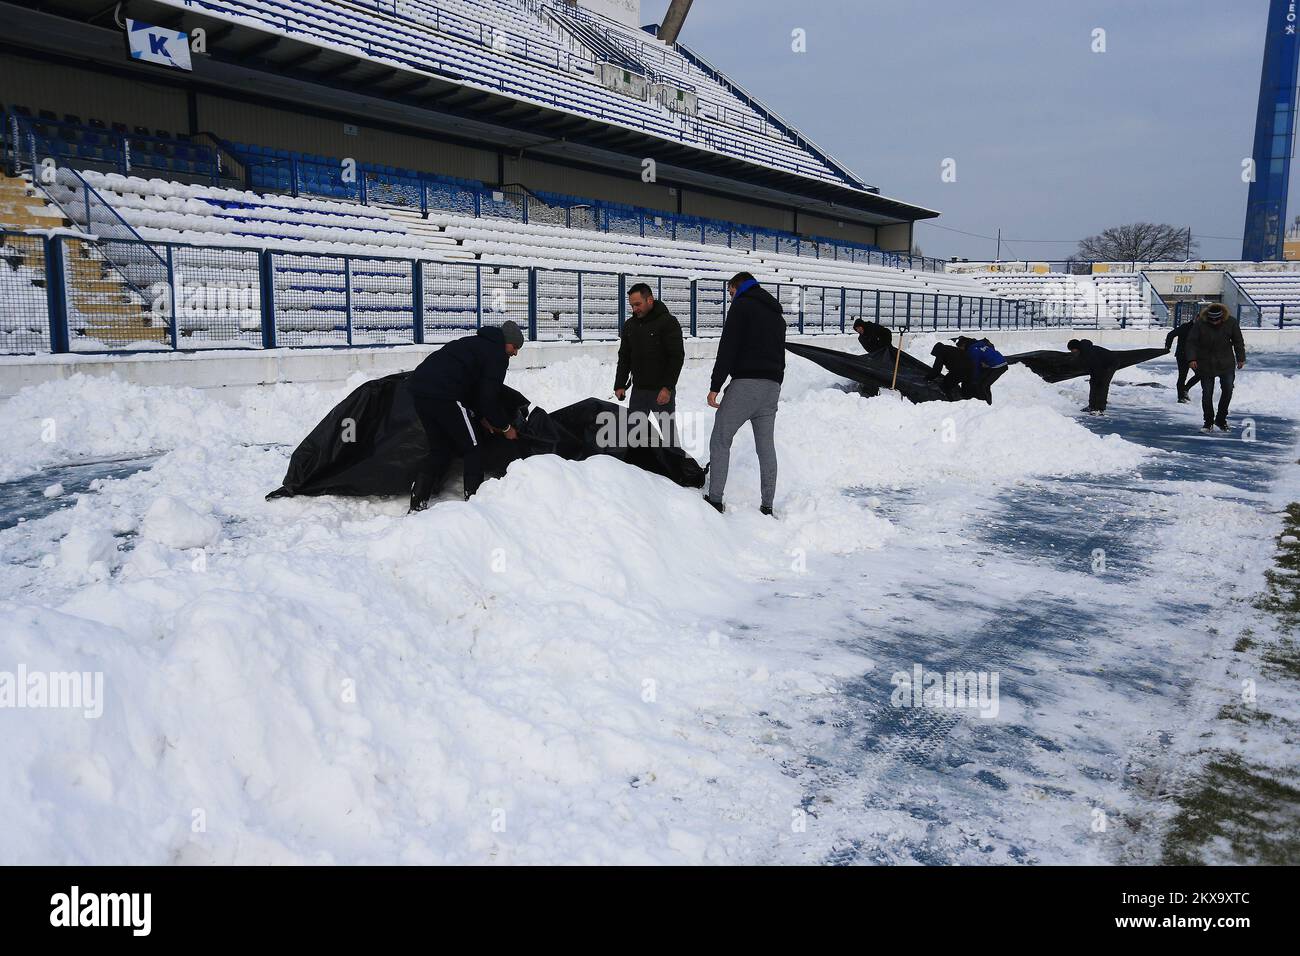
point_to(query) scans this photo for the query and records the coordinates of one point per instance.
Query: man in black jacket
(1178, 334)
(872, 336)
(1101, 369)
(953, 368)
(650, 350)
(1216, 349)
(752, 353)
(450, 388)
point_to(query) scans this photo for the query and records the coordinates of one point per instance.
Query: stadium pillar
(673, 20)
(171, 299)
(478, 297)
(622, 303)
(843, 305)
(694, 312)
(266, 268)
(55, 301)
(417, 301)
(347, 294)
(532, 305)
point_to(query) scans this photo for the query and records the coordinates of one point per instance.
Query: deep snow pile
(571, 667)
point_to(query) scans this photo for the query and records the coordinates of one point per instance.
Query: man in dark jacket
(872, 336)
(1215, 350)
(1177, 340)
(1101, 369)
(650, 350)
(952, 366)
(451, 388)
(752, 353)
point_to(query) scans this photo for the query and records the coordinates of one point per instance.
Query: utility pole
(998, 258)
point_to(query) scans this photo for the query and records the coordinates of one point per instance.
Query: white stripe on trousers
(465, 415)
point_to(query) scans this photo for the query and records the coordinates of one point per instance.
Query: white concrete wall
(237, 370)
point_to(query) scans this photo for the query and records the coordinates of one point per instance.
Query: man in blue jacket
(987, 366)
(451, 388)
(751, 353)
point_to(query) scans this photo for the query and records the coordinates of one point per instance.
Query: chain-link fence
(25, 313)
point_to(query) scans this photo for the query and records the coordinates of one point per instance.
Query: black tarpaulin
(876, 369)
(1055, 366)
(372, 443)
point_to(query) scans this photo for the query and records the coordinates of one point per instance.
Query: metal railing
(64, 297)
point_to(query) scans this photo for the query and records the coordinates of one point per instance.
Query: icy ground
(587, 664)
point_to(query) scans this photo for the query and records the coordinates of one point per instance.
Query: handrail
(1153, 299)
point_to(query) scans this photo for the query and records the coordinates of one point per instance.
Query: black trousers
(1226, 381)
(1099, 389)
(646, 401)
(983, 385)
(1184, 383)
(450, 431)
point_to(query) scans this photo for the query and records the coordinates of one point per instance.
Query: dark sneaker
(1096, 411)
(716, 505)
(1184, 400)
(1222, 426)
(765, 509)
(1207, 429)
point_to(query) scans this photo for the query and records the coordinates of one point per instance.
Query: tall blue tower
(1274, 135)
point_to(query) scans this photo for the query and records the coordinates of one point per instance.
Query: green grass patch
(1236, 812)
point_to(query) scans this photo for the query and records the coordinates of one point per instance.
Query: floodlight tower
(1274, 135)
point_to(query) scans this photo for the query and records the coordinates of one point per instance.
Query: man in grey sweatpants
(751, 353)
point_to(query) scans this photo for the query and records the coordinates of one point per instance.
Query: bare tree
(1138, 242)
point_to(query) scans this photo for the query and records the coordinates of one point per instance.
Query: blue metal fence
(64, 293)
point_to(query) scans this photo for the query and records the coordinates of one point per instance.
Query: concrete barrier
(237, 370)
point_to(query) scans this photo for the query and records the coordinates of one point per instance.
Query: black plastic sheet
(372, 443)
(876, 370)
(1055, 366)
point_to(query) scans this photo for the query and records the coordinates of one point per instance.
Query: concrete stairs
(101, 305)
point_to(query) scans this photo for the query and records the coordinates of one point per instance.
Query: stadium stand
(1103, 299)
(141, 235)
(387, 34)
(1271, 289)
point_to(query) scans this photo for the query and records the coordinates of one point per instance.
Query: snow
(582, 664)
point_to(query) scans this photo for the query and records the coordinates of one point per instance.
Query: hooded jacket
(1216, 349)
(650, 349)
(1094, 358)
(753, 339)
(469, 370)
(874, 336)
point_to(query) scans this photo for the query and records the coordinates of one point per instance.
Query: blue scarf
(745, 287)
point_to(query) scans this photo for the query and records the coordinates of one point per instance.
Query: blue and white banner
(158, 45)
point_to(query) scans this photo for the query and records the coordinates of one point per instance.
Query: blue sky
(1051, 140)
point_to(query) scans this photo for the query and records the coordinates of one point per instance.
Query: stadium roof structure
(417, 65)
